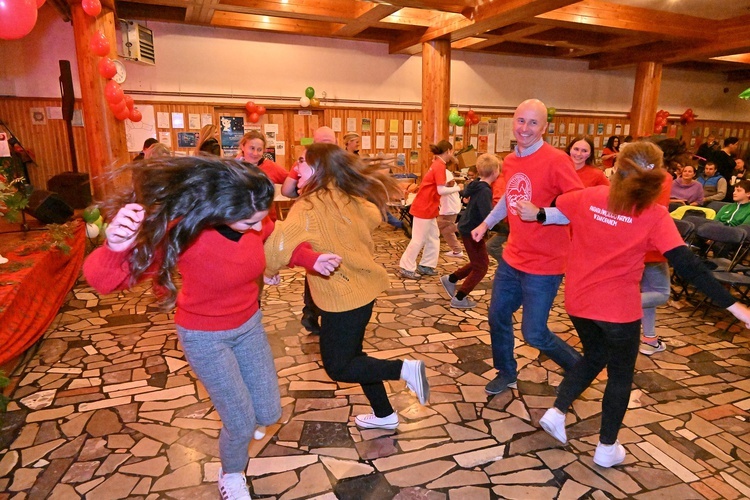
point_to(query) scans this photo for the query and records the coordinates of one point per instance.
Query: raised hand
(124, 227)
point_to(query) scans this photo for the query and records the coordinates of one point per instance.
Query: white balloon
(92, 230)
(304, 101)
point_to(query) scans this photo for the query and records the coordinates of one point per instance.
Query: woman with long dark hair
(207, 217)
(612, 229)
(341, 203)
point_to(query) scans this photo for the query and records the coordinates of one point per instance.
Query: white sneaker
(607, 455)
(260, 432)
(233, 486)
(553, 423)
(370, 421)
(455, 255)
(465, 303)
(413, 373)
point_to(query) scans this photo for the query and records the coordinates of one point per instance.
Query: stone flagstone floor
(108, 408)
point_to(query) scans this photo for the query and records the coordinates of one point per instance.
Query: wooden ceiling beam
(599, 13)
(480, 19)
(276, 24)
(735, 42)
(373, 15)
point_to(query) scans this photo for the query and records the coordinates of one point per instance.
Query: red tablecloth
(33, 285)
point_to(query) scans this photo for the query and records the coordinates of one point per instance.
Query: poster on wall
(194, 121)
(186, 139)
(232, 129)
(336, 124)
(162, 119)
(137, 133)
(366, 125)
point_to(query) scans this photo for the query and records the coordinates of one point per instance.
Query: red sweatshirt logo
(518, 189)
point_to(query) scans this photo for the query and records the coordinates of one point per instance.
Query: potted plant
(13, 198)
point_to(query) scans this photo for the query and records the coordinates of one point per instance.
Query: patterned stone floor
(108, 408)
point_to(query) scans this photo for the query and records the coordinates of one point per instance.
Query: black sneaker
(499, 384)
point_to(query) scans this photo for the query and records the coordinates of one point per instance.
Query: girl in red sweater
(207, 216)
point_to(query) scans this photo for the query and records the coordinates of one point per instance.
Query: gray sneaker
(450, 288)
(410, 275)
(465, 303)
(500, 384)
(426, 271)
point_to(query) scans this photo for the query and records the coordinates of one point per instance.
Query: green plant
(13, 197)
(4, 382)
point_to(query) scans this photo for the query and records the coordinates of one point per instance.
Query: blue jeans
(236, 367)
(655, 290)
(512, 289)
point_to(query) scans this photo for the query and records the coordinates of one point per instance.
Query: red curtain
(33, 285)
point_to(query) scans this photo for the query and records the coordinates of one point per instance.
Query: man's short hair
(709, 163)
(730, 140)
(487, 164)
(148, 143)
(744, 184)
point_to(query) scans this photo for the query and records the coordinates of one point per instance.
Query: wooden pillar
(105, 134)
(436, 86)
(645, 98)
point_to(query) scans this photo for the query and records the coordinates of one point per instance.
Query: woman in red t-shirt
(425, 209)
(609, 153)
(612, 230)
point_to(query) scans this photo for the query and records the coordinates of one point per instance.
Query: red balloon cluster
(122, 106)
(687, 117)
(472, 117)
(17, 18)
(254, 111)
(661, 120)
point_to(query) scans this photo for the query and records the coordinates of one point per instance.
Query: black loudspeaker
(66, 88)
(48, 208)
(73, 188)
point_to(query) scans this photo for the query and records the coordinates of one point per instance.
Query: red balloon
(123, 115)
(254, 117)
(92, 7)
(99, 44)
(39, 3)
(135, 116)
(118, 106)
(470, 114)
(129, 102)
(113, 92)
(261, 110)
(689, 111)
(475, 120)
(657, 129)
(251, 107)
(107, 67)
(17, 18)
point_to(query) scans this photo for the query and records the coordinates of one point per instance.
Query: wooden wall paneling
(389, 137)
(48, 141)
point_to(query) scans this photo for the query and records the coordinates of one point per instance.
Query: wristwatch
(541, 216)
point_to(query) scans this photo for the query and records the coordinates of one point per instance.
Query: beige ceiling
(608, 34)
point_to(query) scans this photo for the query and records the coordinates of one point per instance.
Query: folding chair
(687, 231)
(733, 243)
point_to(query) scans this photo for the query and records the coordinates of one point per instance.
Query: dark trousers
(341, 337)
(476, 269)
(614, 345)
(309, 309)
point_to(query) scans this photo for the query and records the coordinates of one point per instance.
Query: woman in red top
(609, 153)
(206, 216)
(425, 208)
(252, 147)
(581, 151)
(612, 230)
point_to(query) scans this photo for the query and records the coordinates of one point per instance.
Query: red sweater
(219, 277)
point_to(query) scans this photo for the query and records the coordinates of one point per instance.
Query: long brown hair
(335, 168)
(182, 197)
(639, 174)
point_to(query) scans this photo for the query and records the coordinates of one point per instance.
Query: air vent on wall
(137, 42)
